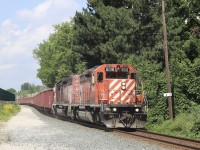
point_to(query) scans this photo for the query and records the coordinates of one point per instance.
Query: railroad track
(156, 138)
(165, 140)
(83, 123)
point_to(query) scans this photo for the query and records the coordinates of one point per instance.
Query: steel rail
(178, 142)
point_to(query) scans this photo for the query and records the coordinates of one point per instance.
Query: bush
(8, 110)
(196, 129)
(184, 125)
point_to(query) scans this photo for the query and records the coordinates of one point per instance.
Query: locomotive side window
(58, 87)
(100, 77)
(69, 81)
(92, 78)
(88, 75)
(82, 78)
(133, 76)
(110, 75)
(122, 75)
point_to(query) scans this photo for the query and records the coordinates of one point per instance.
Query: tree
(109, 31)
(12, 90)
(184, 39)
(28, 88)
(31, 88)
(55, 57)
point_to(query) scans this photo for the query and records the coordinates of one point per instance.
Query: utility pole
(168, 94)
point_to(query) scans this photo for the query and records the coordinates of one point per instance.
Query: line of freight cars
(107, 94)
(6, 96)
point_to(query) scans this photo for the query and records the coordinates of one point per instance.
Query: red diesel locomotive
(105, 95)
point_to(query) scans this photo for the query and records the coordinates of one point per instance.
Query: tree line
(130, 31)
(26, 90)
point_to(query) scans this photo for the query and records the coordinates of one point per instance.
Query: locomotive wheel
(74, 115)
(96, 118)
(55, 113)
(66, 112)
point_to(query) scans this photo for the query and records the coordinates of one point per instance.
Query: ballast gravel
(31, 130)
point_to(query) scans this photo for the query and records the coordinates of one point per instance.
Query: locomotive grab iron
(106, 95)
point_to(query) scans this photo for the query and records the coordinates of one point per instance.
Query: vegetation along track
(167, 140)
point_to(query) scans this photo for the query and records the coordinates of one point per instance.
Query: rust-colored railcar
(42, 101)
(106, 94)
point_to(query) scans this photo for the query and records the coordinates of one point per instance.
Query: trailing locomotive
(105, 95)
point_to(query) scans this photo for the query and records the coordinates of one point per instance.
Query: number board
(110, 69)
(124, 69)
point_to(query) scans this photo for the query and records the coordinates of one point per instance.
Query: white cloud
(36, 13)
(20, 35)
(50, 11)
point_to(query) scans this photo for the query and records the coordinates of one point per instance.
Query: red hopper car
(42, 101)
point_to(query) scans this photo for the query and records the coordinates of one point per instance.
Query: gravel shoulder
(31, 130)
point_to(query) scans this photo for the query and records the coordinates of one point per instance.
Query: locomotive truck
(104, 95)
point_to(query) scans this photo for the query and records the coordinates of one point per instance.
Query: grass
(184, 125)
(8, 110)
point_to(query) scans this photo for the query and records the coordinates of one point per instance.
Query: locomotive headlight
(123, 84)
(108, 109)
(114, 109)
(137, 110)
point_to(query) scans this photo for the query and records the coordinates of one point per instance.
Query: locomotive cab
(121, 102)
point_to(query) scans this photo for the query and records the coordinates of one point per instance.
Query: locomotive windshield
(116, 75)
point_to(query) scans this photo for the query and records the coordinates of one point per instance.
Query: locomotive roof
(116, 65)
(65, 79)
(89, 70)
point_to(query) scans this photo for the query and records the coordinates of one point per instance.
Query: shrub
(184, 125)
(8, 110)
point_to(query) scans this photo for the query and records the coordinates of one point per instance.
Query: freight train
(106, 95)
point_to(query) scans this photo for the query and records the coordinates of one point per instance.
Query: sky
(23, 25)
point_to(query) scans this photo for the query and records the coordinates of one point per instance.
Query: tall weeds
(8, 110)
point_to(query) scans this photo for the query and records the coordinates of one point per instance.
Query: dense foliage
(110, 31)
(186, 124)
(130, 31)
(55, 56)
